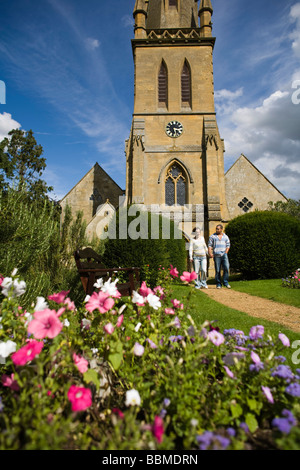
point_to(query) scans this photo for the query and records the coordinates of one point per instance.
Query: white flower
(137, 298)
(19, 287)
(28, 317)
(6, 348)
(138, 349)
(99, 283)
(14, 272)
(132, 398)
(110, 288)
(66, 322)
(137, 327)
(94, 350)
(41, 304)
(6, 285)
(87, 298)
(153, 301)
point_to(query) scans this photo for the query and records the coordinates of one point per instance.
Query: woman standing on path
(198, 255)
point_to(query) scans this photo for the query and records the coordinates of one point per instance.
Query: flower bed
(292, 281)
(138, 373)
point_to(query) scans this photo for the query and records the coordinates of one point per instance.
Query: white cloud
(295, 35)
(7, 124)
(92, 44)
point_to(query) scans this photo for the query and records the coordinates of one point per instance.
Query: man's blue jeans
(222, 262)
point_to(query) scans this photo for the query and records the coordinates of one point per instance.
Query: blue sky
(68, 70)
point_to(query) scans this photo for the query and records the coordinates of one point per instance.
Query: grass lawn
(270, 289)
(202, 307)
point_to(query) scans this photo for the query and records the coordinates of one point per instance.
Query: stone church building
(174, 153)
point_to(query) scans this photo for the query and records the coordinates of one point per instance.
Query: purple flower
(244, 427)
(152, 345)
(214, 441)
(284, 424)
(256, 332)
(283, 372)
(230, 358)
(231, 432)
(256, 367)
(293, 389)
(177, 323)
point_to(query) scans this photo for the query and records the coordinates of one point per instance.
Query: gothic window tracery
(175, 186)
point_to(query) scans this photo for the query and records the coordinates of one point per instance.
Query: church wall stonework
(244, 181)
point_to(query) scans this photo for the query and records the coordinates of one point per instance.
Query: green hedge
(264, 244)
(144, 251)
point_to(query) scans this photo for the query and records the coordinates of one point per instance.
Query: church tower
(174, 155)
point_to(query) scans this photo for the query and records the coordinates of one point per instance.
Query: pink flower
(101, 301)
(70, 305)
(120, 320)
(80, 363)
(176, 304)
(45, 324)
(144, 290)
(109, 328)
(158, 429)
(60, 297)
(138, 349)
(8, 381)
(256, 332)
(169, 311)
(118, 412)
(188, 277)
(215, 337)
(284, 339)
(229, 372)
(27, 353)
(255, 358)
(173, 271)
(268, 394)
(1, 279)
(80, 397)
(159, 292)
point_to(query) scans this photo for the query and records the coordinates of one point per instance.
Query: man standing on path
(218, 247)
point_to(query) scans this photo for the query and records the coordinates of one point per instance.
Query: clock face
(174, 129)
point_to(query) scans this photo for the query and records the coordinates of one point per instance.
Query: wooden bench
(90, 268)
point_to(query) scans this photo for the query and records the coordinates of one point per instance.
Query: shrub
(32, 242)
(264, 244)
(136, 246)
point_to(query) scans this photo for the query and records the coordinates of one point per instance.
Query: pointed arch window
(175, 186)
(186, 88)
(163, 85)
(173, 3)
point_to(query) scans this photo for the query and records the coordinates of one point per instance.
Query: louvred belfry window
(172, 3)
(163, 85)
(186, 95)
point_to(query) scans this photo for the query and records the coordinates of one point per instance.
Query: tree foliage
(22, 164)
(291, 207)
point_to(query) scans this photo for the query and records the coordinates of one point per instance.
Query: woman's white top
(197, 247)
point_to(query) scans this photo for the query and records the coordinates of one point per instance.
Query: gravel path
(283, 314)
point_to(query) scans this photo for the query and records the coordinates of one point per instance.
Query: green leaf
(251, 422)
(91, 376)
(236, 410)
(115, 359)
